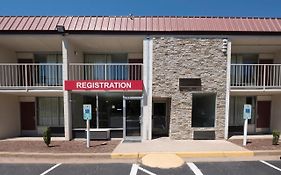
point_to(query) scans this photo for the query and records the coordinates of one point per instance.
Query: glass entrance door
(132, 114)
(160, 120)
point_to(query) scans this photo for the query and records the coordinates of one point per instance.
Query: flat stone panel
(175, 58)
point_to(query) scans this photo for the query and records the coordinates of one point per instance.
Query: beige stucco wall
(7, 55)
(277, 57)
(74, 53)
(275, 123)
(9, 116)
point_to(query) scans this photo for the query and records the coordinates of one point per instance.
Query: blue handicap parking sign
(87, 112)
(247, 112)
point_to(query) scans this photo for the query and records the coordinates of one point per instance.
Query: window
(110, 109)
(236, 108)
(50, 111)
(114, 70)
(48, 73)
(203, 109)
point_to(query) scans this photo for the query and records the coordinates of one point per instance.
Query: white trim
(227, 94)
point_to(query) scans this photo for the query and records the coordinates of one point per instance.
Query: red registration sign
(104, 85)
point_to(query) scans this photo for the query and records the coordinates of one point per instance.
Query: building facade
(144, 77)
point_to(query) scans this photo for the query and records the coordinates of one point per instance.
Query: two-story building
(144, 76)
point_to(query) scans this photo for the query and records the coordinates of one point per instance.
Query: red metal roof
(140, 23)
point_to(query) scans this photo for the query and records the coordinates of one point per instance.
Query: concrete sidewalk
(191, 149)
(183, 148)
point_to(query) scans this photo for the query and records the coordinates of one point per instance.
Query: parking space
(234, 168)
(275, 163)
(92, 169)
(190, 168)
(24, 169)
(177, 171)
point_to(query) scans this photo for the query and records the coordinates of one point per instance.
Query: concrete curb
(55, 155)
(187, 154)
(136, 155)
(267, 153)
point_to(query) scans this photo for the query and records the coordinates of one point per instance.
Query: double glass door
(132, 118)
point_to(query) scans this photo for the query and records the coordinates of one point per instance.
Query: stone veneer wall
(175, 58)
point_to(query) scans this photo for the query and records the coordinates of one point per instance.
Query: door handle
(140, 119)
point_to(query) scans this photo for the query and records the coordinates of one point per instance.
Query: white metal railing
(89, 71)
(259, 76)
(25, 76)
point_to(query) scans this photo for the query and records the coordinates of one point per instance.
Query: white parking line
(194, 168)
(268, 164)
(146, 171)
(135, 168)
(50, 169)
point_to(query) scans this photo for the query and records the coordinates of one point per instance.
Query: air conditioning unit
(190, 84)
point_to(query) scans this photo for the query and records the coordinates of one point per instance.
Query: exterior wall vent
(204, 135)
(190, 84)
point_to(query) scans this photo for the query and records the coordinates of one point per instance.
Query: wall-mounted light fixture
(224, 46)
(131, 16)
(60, 29)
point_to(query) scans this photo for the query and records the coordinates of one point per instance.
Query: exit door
(132, 118)
(28, 121)
(264, 112)
(160, 119)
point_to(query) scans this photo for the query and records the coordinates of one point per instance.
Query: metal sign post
(88, 133)
(87, 115)
(247, 114)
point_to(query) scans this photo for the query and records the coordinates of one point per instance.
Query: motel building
(145, 77)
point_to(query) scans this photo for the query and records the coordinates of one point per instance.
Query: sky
(252, 8)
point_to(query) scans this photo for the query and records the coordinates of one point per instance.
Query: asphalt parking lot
(200, 168)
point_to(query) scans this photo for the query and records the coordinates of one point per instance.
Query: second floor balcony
(31, 76)
(255, 76)
(48, 76)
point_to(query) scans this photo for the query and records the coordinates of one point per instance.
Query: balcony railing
(88, 71)
(30, 76)
(49, 76)
(256, 76)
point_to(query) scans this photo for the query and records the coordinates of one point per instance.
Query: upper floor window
(106, 58)
(48, 58)
(48, 73)
(108, 66)
(244, 58)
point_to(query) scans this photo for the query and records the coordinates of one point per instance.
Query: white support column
(147, 81)
(227, 93)
(66, 94)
